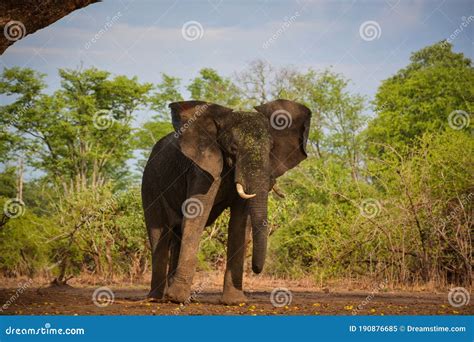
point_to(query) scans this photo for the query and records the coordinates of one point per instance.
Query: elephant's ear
(289, 126)
(196, 131)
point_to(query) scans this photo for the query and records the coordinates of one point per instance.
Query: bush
(408, 221)
(24, 243)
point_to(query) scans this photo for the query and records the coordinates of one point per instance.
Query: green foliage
(103, 233)
(210, 86)
(389, 198)
(93, 231)
(420, 97)
(146, 137)
(417, 228)
(70, 144)
(166, 92)
(212, 249)
(8, 182)
(25, 243)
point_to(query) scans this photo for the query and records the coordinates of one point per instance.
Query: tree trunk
(22, 17)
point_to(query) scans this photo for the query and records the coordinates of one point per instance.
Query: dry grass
(214, 280)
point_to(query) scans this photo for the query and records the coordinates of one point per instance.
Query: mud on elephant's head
(260, 146)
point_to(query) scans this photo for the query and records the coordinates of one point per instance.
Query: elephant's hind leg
(175, 245)
(159, 242)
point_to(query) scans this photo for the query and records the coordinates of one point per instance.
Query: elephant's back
(166, 154)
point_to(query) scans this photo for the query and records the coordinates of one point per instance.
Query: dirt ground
(306, 299)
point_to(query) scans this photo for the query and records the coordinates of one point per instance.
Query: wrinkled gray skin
(191, 177)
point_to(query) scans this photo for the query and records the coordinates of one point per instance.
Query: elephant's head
(260, 146)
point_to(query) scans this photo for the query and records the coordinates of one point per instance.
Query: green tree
(337, 114)
(80, 135)
(420, 97)
(210, 86)
(166, 91)
(151, 131)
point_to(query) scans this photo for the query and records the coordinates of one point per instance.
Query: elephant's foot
(178, 292)
(153, 300)
(232, 296)
(155, 296)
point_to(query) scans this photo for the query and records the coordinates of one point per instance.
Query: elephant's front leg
(196, 211)
(236, 245)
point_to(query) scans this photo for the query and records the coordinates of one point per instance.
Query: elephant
(217, 158)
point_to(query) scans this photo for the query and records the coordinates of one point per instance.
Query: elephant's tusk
(278, 191)
(241, 192)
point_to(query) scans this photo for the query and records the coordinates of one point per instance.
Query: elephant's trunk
(258, 216)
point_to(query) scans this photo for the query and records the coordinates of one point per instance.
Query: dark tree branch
(34, 15)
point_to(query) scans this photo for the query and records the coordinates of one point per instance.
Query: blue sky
(144, 38)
